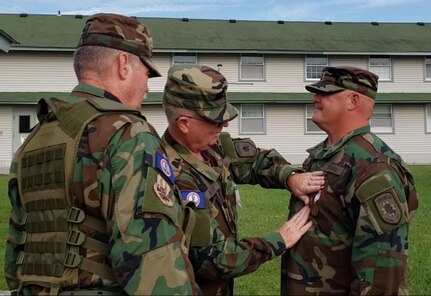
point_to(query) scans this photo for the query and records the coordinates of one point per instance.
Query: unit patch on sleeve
(195, 196)
(164, 167)
(388, 209)
(162, 189)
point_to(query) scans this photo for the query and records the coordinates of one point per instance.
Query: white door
(24, 119)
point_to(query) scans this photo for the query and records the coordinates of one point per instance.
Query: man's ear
(353, 101)
(123, 64)
(183, 124)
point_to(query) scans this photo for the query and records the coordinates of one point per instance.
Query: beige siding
(6, 119)
(29, 72)
(284, 73)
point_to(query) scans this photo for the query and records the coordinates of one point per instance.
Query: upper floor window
(381, 66)
(252, 67)
(252, 119)
(185, 58)
(310, 126)
(382, 119)
(314, 66)
(428, 68)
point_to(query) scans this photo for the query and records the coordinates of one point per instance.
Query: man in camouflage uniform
(207, 166)
(93, 204)
(360, 239)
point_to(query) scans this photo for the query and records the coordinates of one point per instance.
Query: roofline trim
(238, 51)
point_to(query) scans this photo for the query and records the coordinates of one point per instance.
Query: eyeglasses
(219, 125)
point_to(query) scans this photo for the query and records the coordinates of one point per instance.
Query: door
(24, 119)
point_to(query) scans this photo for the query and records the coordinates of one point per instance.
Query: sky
(265, 10)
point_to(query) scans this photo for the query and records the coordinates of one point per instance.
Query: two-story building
(266, 63)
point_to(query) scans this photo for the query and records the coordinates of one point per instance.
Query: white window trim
(391, 74)
(263, 68)
(306, 66)
(306, 118)
(427, 119)
(427, 61)
(383, 130)
(184, 54)
(263, 132)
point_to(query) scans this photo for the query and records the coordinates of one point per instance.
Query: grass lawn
(265, 210)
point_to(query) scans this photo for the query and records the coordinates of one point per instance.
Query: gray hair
(173, 112)
(96, 59)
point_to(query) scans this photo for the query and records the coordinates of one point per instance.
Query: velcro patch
(162, 189)
(164, 167)
(245, 148)
(197, 197)
(388, 208)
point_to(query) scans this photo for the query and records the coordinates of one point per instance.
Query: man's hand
(293, 229)
(302, 184)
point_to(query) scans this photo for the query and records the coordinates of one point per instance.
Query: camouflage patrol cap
(335, 79)
(201, 89)
(120, 32)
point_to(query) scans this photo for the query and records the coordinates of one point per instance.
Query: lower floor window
(252, 119)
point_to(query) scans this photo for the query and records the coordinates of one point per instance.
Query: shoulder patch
(162, 188)
(197, 197)
(388, 208)
(164, 167)
(244, 148)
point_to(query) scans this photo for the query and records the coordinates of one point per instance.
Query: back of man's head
(121, 33)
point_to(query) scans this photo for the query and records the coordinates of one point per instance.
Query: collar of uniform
(204, 169)
(94, 92)
(321, 150)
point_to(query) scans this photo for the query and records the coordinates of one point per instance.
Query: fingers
(295, 227)
(318, 173)
(305, 228)
(301, 217)
(305, 199)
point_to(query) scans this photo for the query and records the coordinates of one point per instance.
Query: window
(381, 66)
(382, 121)
(185, 58)
(428, 68)
(314, 66)
(24, 124)
(428, 118)
(252, 119)
(310, 126)
(252, 67)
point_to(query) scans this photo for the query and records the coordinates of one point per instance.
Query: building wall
(285, 126)
(29, 71)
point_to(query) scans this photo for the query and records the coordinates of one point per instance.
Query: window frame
(383, 130)
(427, 73)
(307, 65)
(307, 119)
(241, 71)
(241, 118)
(373, 68)
(428, 119)
(184, 54)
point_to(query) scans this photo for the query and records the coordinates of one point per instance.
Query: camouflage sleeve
(226, 258)
(13, 247)
(252, 165)
(146, 243)
(379, 250)
(215, 256)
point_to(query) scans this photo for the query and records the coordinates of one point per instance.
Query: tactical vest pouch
(381, 203)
